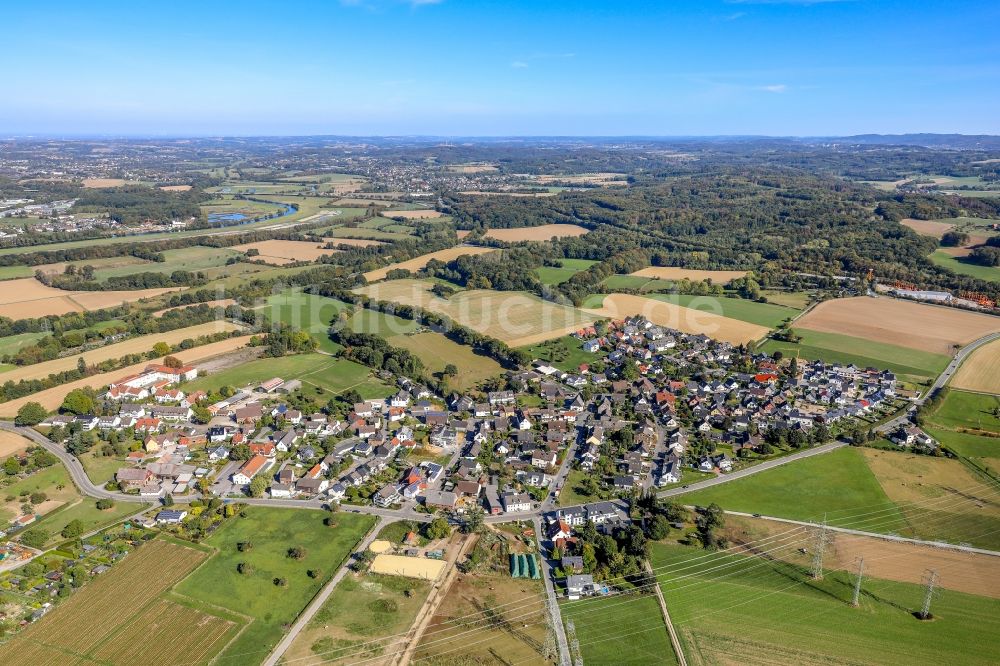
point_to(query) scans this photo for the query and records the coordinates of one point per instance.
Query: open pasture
(540, 233)
(807, 622)
(436, 352)
(981, 371)
(604, 627)
(695, 275)
(91, 619)
(53, 397)
(954, 260)
(193, 259)
(687, 320)
(417, 263)
(271, 607)
(554, 275)
(105, 263)
(847, 349)
(915, 325)
(517, 318)
(762, 314)
(217, 303)
(306, 312)
(136, 345)
(280, 252)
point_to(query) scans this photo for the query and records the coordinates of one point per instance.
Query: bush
(35, 537)
(38, 497)
(245, 568)
(73, 529)
(296, 552)
(105, 504)
(384, 606)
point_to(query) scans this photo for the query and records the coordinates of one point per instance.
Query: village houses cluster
(664, 401)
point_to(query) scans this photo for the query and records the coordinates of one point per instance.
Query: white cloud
(519, 64)
(775, 88)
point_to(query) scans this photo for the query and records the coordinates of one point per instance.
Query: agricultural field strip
(781, 542)
(53, 397)
(137, 345)
(82, 622)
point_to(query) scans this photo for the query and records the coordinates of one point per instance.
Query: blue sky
(475, 67)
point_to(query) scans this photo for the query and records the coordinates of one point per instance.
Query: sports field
(799, 621)
(687, 320)
(517, 318)
(981, 371)
(847, 349)
(271, 607)
(907, 324)
(53, 397)
(417, 263)
(105, 620)
(677, 273)
(540, 233)
(136, 345)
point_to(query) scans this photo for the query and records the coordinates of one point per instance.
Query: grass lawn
(101, 469)
(307, 312)
(565, 353)
(86, 511)
(837, 348)
(360, 610)
(963, 267)
(966, 444)
(796, 620)
(380, 323)
(835, 483)
(272, 532)
(570, 267)
(339, 375)
(790, 299)
(763, 314)
(571, 493)
(620, 630)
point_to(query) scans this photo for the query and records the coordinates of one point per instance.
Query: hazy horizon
(454, 68)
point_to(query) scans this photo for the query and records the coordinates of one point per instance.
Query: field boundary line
(675, 641)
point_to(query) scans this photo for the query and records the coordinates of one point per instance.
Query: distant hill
(953, 141)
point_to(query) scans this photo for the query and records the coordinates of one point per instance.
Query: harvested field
(928, 227)
(279, 252)
(472, 168)
(904, 323)
(541, 233)
(12, 443)
(618, 306)
(981, 371)
(193, 637)
(436, 352)
(138, 345)
(675, 273)
(218, 303)
(419, 262)
(104, 182)
(27, 297)
(906, 563)
(424, 214)
(602, 178)
(53, 397)
(81, 623)
(410, 567)
(99, 264)
(516, 318)
(353, 242)
(481, 193)
(175, 188)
